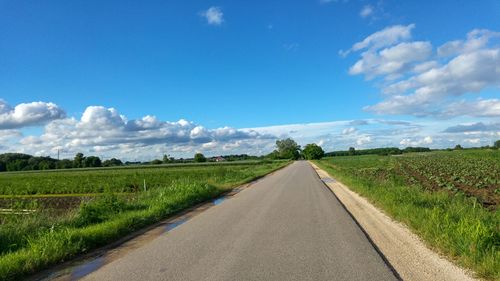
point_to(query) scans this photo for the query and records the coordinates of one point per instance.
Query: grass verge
(455, 225)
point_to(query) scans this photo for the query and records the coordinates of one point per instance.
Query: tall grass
(455, 225)
(106, 219)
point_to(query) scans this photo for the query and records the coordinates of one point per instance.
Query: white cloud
(478, 108)
(476, 40)
(420, 83)
(28, 114)
(473, 141)
(103, 129)
(7, 135)
(362, 140)
(391, 62)
(348, 131)
(213, 15)
(366, 11)
(418, 142)
(386, 37)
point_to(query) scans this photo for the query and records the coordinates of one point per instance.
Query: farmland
(97, 206)
(449, 198)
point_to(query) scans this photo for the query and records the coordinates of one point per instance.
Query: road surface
(288, 226)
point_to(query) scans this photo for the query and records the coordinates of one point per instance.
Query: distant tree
(168, 159)
(198, 157)
(92, 161)
(64, 164)
(156, 162)
(497, 144)
(458, 147)
(416, 149)
(313, 151)
(288, 149)
(78, 161)
(112, 162)
(352, 151)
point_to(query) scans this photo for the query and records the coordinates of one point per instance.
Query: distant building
(219, 159)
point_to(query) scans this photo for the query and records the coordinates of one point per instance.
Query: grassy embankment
(445, 215)
(29, 243)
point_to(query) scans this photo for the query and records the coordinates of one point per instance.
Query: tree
(78, 161)
(92, 161)
(458, 147)
(352, 151)
(112, 162)
(496, 144)
(313, 151)
(64, 164)
(198, 157)
(288, 149)
(156, 162)
(168, 159)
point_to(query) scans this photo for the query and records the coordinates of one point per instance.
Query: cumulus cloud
(416, 142)
(362, 140)
(476, 40)
(385, 37)
(213, 15)
(391, 62)
(28, 114)
(421, 82)
(102, 129)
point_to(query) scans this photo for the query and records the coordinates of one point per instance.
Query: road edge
(402, 250)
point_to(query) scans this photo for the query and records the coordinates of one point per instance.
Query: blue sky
(245, 66)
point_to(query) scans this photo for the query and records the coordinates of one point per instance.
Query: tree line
(285, 149)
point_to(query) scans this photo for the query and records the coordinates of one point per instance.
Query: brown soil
(486, 196)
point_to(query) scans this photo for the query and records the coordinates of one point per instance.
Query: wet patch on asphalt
(328, 180)
(86, 268)
(175, 224)
(219, 200)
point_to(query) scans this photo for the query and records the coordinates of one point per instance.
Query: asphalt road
(288, 226)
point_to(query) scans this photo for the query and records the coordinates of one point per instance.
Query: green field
(449, 198)
(111, 203)
(119, 179)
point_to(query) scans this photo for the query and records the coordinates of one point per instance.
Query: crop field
(129, 179)
(58, 214)
(449, 198)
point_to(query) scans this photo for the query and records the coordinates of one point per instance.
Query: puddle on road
(328, 180)
(175, 224)
(82, 270)
(219, 200)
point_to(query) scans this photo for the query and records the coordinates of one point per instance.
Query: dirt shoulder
(406, 253)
